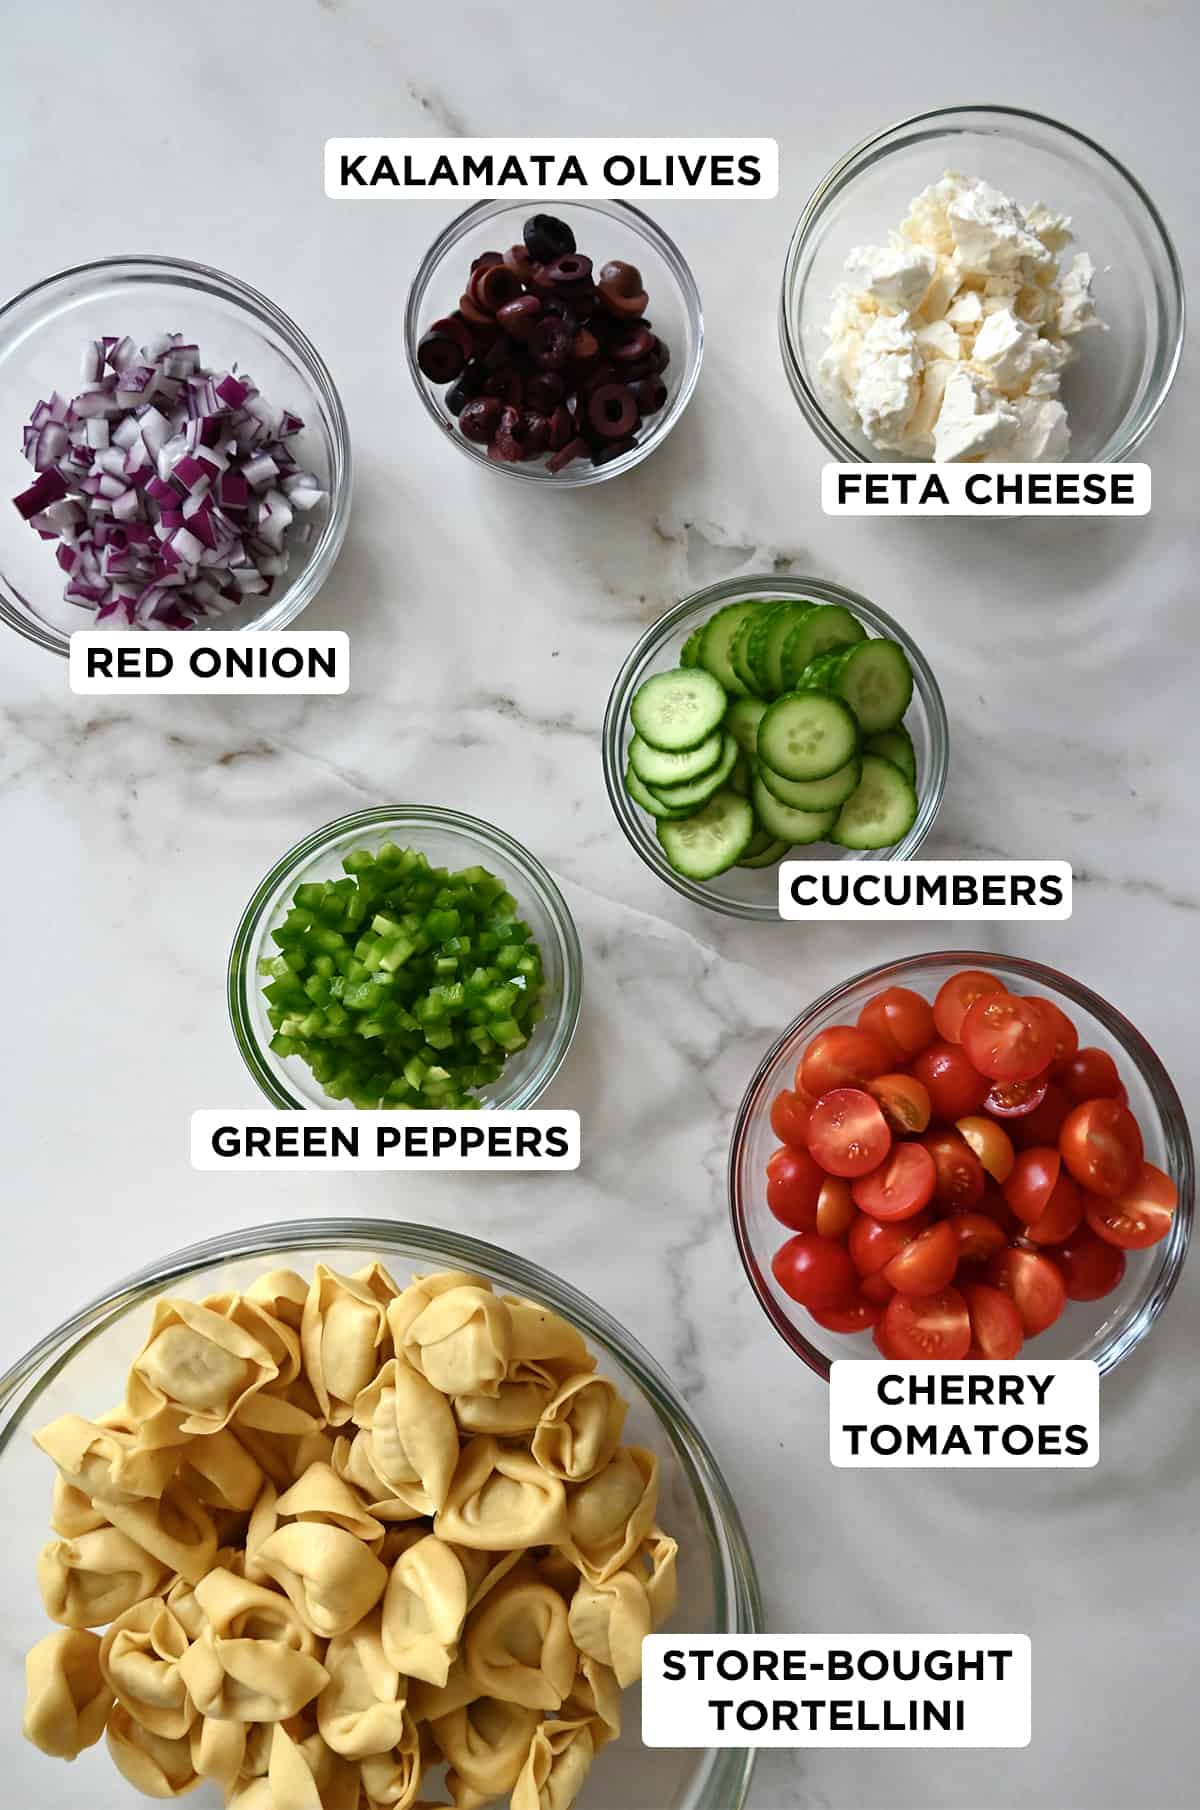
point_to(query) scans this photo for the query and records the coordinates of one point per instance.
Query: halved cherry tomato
(1090, 1074)
(996, 1328)
(1091, 1267)
(1101, 1145)
(1034, 1283)
(1043, 1124)
(880, 1342)
(956, 996)
(1015, 1099)
(860, 1315)
(927, 1263)
(815, 1272)
(1066, 1037)
(926, 1326)
(979, 1237)
(1006, 1037)
(873, 1242)
(841, 1056)
(954, 1087)
(793, 1184)
(1061, 1215)
(1139, 1217)
(905, 1101)
(836, 1211)
(847, 1133)
(991, 1144)
(901, 1017)
(875, 1289)
(901, 1185)
(1032, 1182)
(789, 1118)
(958, 1171)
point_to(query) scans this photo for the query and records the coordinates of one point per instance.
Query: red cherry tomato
(1032, 1182)
(793, 1184)
(905, 1102)
(841, 1056)
(860, 1315)
(926, 1326)
(996, 1328)
(901, 1017)
(873, 1242)
(991, 1144)
(1090, 1074)
(901, 1185)
(1091, 1267)
(1102, 1146)
(927, 1263)
(836, 1211)
(847, 1133)
(815, 1272)
(1061, 1215)
(1006, 1037)
(789, 1118)
(956, 996)
(979, 1237)
(1140, 1217)
(880, 1343)
(954, 1086)
(1043, 1124)
(994, 1206)
(958, 1171)
(1015, 1099)
(1066, 1037)
(874, 1288)
(1034, 1283)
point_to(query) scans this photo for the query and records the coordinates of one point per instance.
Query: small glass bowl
(450, 839)
(42, 333)
(621, 232)
(80, 1368)
(754, 892)
(1115, 389)
(1106, 1330)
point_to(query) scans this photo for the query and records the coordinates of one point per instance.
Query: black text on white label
(569, 169)
(942, 490)
(925, 889)
(1019, 1415)
(122, 662)
(535, 1138)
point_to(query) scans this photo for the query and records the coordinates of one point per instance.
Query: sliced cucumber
(882, 810)
(698, 791)
(641, 794)
(690, 652)
(655, 768)
(764, 651)
(814, 794)
(717, 641)
(807, 735)
(742, 720)
(784, 823)
(768, 855)
(677, 710)
(758, 842)
(738, 650)
(743, 773)
(826, 626)
(874, 678)
(714, 840)
(895, 745)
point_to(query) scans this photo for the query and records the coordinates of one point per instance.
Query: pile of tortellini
(339, 1535)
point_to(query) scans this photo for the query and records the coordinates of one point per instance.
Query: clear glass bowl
(603, 230)
(1115, 389)
(754, 892)
(450, 839)
(42, 333)
(80, 1368)
(1106, 1330)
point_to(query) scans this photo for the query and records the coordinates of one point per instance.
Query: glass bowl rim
(789, 584)
(644, 227)
(189, 272)
(811, 406)
(1124, 1032)
(473, 829)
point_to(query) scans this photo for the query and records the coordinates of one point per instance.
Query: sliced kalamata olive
(573, 268)
(464, 389)
(547, 237)
(507, 386)
(612, 449)
(585, 347)
(518, 317)
(649, 393)
(480, 419)
(495, 286)
(519, 261)
(535, 433)
(661, 354)
(624, 307)
(625, 279)
(485, 260)
(544, 391)
(550, 343)
(469, 308)
(440, 357)
(612, 411)
(634, 345)
(506, 449)
(561, 428)
(574, 449)
(458, 329)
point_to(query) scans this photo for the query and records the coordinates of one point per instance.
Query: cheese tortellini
(339, 1536)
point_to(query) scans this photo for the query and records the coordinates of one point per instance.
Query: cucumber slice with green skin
(717, 640)
(698, 791)
(743, 773)
(766, 856)
(758, 842)
(874, 678)
(654, 768)
(785, 824)
(807, 735)
(690, 652)
(767, 640)
(641, 794)
(738, 650)
(826, 626)
(711, 842)
(814, 794)
(742, 720)
(677, 710)
(895, 745)
(882, 810)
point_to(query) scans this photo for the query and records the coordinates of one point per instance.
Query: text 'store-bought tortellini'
(342, 1538)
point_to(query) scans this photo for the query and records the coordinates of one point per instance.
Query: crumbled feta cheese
(973, 420)
(897, 274)
(888, 383)
(990, 232)
(1076, 306)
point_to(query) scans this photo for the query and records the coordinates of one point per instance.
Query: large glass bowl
(80, 1368)
(754, 892)
(42, 333)
(1106, 1330)
(1114, 390)
(603, 230)
(450, 839)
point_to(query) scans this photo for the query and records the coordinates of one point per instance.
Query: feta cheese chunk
(898, 274)
(889, 379)
(973, 421)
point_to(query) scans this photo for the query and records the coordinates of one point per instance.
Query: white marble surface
(487, 625)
